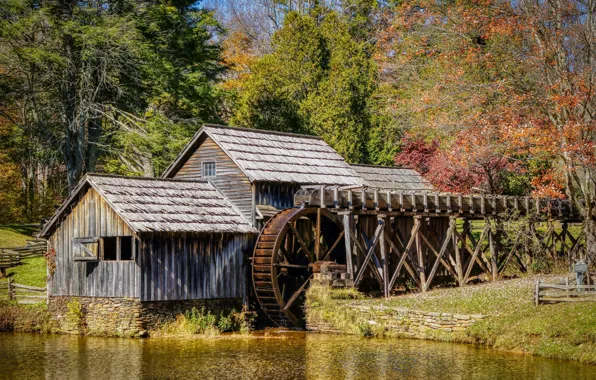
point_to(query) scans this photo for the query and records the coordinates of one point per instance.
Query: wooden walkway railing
(548, 293)
(361, 200)
(23, 294)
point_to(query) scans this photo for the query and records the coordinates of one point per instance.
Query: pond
(278, 356)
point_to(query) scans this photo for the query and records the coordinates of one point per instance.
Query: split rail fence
(551, 293)
(12, 256)
(23, 294)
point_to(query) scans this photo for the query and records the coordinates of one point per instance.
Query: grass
(197, 322)
(32, 271)
(25, 318)
(15, 235)
(562, 331)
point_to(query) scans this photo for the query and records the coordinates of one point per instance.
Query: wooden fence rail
(23, 294)
(12, 256)
(544, 293)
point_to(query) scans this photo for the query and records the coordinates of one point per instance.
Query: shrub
(24, 318)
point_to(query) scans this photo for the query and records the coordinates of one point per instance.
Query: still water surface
(294, 356)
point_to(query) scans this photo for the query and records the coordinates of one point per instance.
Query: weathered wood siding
(187, 266)
(278, 195)
(229, 179)
(91, 217)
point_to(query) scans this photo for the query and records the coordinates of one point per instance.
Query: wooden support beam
(439, 259)
(303, 246)
(440, 255)
(458, 261)
(509, 256)
(318, 235)
(348, 224)
(384, 258)
(494, 270)
(420, 255)
(403, 257)
(475, 254)
(368, 256)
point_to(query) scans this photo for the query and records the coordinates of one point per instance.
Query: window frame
(204, 172)
(133, 248)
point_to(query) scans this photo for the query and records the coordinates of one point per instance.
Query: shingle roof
(163, 205)
(393, 178)
(277, 157)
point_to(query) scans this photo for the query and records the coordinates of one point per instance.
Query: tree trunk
(92, 152)
(590, 234)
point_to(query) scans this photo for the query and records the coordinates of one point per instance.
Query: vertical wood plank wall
(278, 195)
(91, 217)
(186, 266)
(229, 179)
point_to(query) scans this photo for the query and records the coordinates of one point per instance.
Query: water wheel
(289, 244)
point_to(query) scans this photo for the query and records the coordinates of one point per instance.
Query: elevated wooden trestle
(416, 238)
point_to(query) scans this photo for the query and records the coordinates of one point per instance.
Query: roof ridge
(157, 179)
(382, 166)
(264, 131)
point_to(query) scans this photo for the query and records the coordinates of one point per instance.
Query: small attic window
(209, 169)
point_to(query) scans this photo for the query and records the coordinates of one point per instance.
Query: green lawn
(33, 270)
(15, 235)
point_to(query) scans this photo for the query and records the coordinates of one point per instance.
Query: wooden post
(384, 259)
(494, 270)
(348, 223)
(537, 293)
(420, 255)
(10, 289)
(318, 235)
(458, 262)
(567, 286)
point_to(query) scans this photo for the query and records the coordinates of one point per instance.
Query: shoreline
(509, 323)
(502, 318)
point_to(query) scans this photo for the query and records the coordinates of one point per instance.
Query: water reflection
(297, 356)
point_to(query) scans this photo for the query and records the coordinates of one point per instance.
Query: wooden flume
(419, 239)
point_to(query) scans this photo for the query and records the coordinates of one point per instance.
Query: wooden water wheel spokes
(291, 242)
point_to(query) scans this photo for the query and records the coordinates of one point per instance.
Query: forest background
(478, 95)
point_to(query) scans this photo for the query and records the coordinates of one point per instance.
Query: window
(117, 248)
(110, 248)
(85, 249)
(126, 248)
(209, 169)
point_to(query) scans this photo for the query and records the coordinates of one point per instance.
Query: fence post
(567, 287)
(537, 293)
(10, 295)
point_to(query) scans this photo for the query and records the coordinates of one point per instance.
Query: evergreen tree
(318, 80)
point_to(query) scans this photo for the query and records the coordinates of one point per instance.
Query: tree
(281, 81)
(79, 77)
(319, 79)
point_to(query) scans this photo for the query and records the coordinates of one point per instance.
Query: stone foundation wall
(126, 317)
(403, 322)
(157, 312)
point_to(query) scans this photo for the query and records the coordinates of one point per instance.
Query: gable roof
(271, 156)
(160, 205)
(393, 178)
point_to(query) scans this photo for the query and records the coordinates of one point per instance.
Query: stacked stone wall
(403, 322)
(127, 317)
